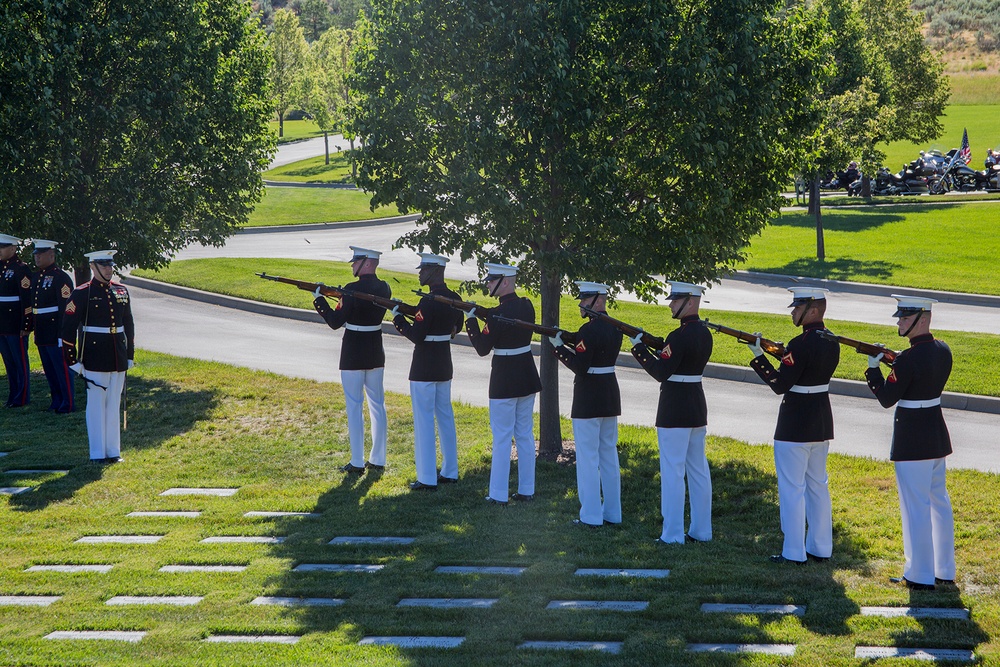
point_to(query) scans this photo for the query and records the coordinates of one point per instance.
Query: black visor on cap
(6, 245)
(104, 262)
(906, 312)
(37, 251)
(799, 302)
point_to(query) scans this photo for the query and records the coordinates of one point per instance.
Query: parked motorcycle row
(931, 173)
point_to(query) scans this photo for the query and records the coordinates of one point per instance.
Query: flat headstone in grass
(202, 568)
(726, 608)
(297, 602)
(768, 649)
(243, 539)
(71, 569)
(252, 639)
(601, 647)
(307, 515)
(13, 490)
(337, 567)
(91, 635)
(917, 612)
(930, 654)
(477, 569)
(449, 603)
(120, 539)
(188, 491)
(169, 600)
(610, 572)
(385, 541)
(28, 600)
(413, 642)
(598, 605)
(35, 472)
(166, 515)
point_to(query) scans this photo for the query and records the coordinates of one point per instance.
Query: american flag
(965, 152)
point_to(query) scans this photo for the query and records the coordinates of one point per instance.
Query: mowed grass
(280, 440)
(295, 130)
(950, 247)
(977, 356)
(974, 88)
(981, 120)
(313, 170)
(301, 206)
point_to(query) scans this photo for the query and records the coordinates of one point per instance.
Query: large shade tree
(290, 57)
(136, 126)
(610, 140)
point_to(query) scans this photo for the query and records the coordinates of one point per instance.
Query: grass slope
(979, 119)
(976, 355)
(313, 170)
(294, 130)
(280, 440)
(300, 206)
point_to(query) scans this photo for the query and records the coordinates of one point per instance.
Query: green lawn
(295, 130)
(977, 356)
(299, 206)
(975, 88)
(982, 121)
(280, 440)
(944, 247)
(313, 170)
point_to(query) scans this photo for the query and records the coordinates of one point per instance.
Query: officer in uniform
(99, 316)
(682, 416)
(362, 358)
(50, 294)
(431, 331)
(513, 383)
(920, 443)
(15, 320)
(805, 428)
(596, 406)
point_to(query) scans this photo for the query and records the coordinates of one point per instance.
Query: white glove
(395, 311)
(636, 339)
(470, 314)
(316, 292)
(77, 368)
(556, 341)
(873, 361)
(756, 348)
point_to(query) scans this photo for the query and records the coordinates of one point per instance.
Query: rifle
(481, 311)
(338, 292)
(774, 348)
(648, 339)
(871, 349)
(567, 336)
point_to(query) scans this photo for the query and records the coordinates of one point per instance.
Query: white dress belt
(928, 403)
(815, 389)
(510, 351)
(103, 330)
(600, 370)
(437, 339)
(45, 311)
(684, 378)
(9, 299)
(364, 328)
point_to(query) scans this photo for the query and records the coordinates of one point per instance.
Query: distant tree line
(315, 16)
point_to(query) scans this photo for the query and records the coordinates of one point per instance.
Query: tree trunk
(550, 430)
(354, 165)
(281, 125)
(813, 197)
(326, 145)
(820, 247)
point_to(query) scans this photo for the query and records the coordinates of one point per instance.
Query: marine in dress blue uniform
(682, 416)
(362, 358)
(596, 406)
(431, 331)
(51, 290)
(98, 337)
(15, 320)
(804, 430)
(513, 383)
(920, 443)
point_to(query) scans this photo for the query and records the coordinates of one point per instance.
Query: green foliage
(290, 51)
(137, 126)
(610, 140)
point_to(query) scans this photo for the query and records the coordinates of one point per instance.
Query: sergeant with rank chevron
(15, 320)
(50, 293)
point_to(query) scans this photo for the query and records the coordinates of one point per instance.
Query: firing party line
(88, 333)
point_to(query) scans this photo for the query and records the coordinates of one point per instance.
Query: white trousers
(597, 470)
(432, 402)
(512, 419)
(682, 453)
(357, 384)
(804, 498)
(928, 524)
(104, 414)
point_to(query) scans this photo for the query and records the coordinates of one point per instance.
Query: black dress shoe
(350, 467)
(912, 585)
(110, 460)
(691, 540)
(818, 559)
(374, 468)
(521, 498)
(584, 524)
(781, 560)
(447, 480)
(944, 582)
(660, 543)
(493, 501)
(420, 486)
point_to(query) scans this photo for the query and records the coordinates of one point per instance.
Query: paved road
(332, 243)
(300, 150)
(178, 326)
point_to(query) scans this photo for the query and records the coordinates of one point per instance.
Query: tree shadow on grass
(843, 268)
(854, 220)
(157, 412)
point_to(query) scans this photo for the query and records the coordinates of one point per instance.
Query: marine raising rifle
(871, 349)
(774, 348)
(567, 337)
(465, 306)
(648, 339)
(339, 292)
